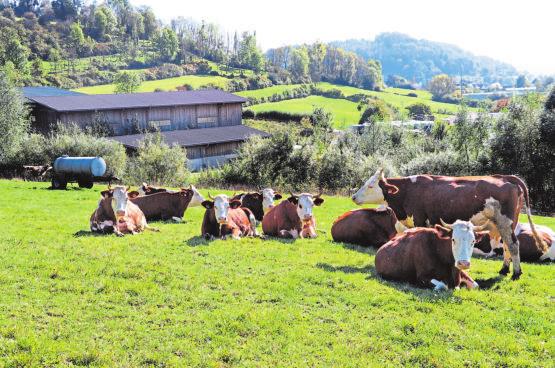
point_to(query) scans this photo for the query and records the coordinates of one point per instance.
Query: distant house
(208, 123)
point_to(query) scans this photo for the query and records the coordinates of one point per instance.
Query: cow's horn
(145, 185)
(481, 227)
(128, 187)
(446, 225)
(109, 186)
(293, 194)
(209, 196)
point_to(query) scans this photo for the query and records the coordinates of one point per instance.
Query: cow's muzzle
(462, 265)
(222, 220)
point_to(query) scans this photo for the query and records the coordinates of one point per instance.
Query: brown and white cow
(258, 202)
(196, 200)
(368, 227)
(529, 252)
(293, 217)
(164, 205)
(116, 213)
(423, 199)
(224, 217)
(427, 257)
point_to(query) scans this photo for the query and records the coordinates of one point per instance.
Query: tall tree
(299, 63)
(14, 118)
(66, 9)
(167, 44)
(127, 82)
(441, 85)
(150, 23)
(11, 49)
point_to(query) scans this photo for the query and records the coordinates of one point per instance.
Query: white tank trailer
(83, 170)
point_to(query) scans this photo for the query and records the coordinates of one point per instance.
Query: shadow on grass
(87, 234)
(358, 248)
(490, 283)
(197, 241)
(368, 269)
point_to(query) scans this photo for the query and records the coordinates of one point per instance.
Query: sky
(518, 32)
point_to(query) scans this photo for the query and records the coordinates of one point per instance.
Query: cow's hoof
(516, 275)
(504, 270)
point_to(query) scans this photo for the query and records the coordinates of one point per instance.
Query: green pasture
(171, 299)
(344, 112)
(168, 84)
(269, 91)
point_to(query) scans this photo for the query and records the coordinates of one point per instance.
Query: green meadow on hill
(173, 299)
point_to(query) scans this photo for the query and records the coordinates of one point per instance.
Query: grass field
(398, 98)
(267, 92)
(171, 299)
(168, 84)
(345, 112)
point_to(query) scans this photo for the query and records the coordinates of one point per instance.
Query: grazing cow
(424, 199)
(35, 172)
(196, 201)
(224, 217)
(292, 218)
(437, 256)
(164, 205)
(258, 202)
(529, 252)
(116, 213)
(369, 227)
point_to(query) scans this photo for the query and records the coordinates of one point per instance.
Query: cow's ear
(293, 200)
(207, 204)
(318, 201)
(479, 235)
(107, 193)
(277, 196)
(444, 232)
(235, 204)
(133, 194)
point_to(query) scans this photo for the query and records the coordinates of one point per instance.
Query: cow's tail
(252, 220)
(540, 243)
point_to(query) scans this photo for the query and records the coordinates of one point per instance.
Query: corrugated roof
(136, 100)
(44, 91)
(197, 137)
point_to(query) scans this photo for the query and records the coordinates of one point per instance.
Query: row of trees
(320, 62)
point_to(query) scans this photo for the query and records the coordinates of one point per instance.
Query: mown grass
(269, 91)
(168, 84)
(171, 299)
(344, 112)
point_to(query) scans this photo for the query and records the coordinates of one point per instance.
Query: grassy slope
(345, 112)
(397, 97)
(171, 299)
(168, 84)
(267, 92)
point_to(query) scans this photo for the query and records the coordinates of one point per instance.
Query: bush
(158, 163)
(280, 116)
(14, 119)
(412, 94)
(420, 111)
(376, 110)
(248, 114)
(438, 163)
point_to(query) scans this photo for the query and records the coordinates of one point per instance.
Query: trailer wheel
(58, 183)
(85, 183)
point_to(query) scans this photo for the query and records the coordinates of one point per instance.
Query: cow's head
(119, 198)
(372, 191)
(268, 198)
(197, 197)
(221, 205)
(305, 202)
(463, 236)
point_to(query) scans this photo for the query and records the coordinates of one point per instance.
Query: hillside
(419, 60)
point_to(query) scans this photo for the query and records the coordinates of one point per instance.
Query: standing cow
(164, 205)
(224, 217)
(116, 213)
(258, 202)
(428, 257)
(293, 217)
(424, 199)
(196, 200)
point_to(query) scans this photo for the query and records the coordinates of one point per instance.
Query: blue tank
(90, 166)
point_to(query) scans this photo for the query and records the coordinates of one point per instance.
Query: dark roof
(197, 137)
(136, 100)
(44, 91)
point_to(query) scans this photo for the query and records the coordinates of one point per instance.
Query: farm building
(207, 147)
(208, 123)
(126, 113)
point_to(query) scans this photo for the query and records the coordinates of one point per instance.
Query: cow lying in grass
(258, 202)
(117, 214)
(368, 227)
(529, 252)
(428, 257)
(224, 217)
(196, 199)
(293, 217)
